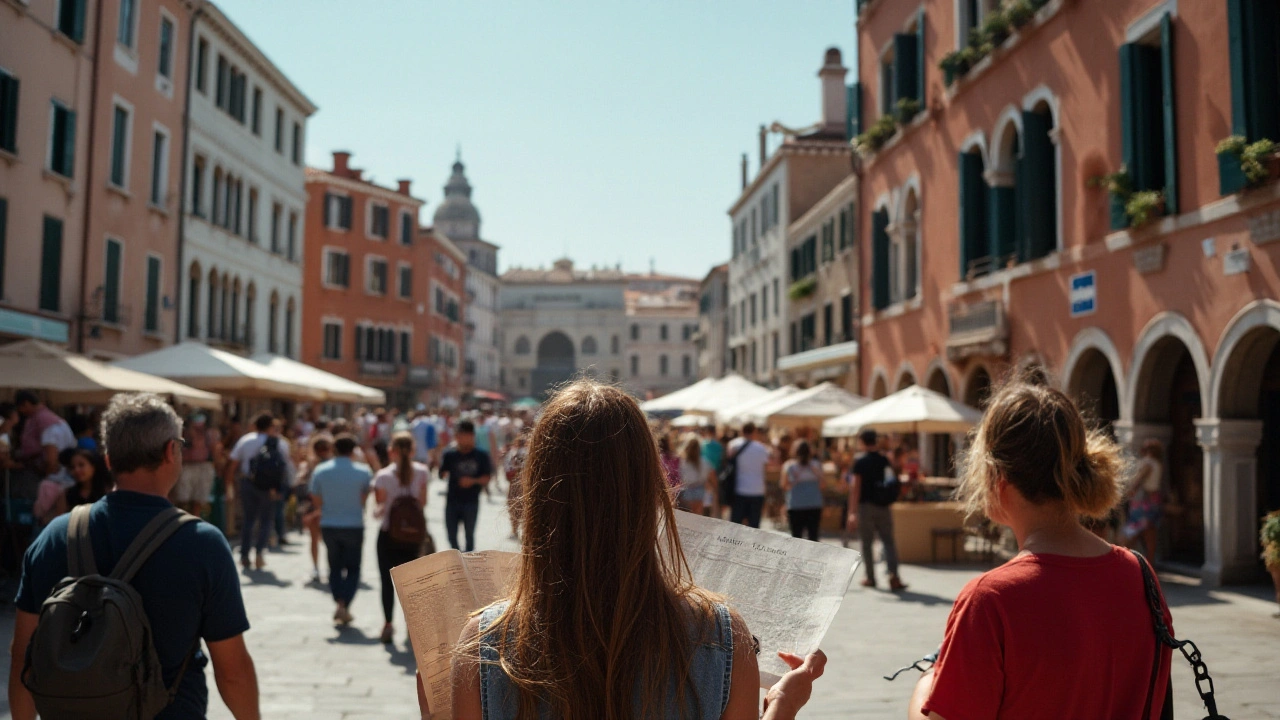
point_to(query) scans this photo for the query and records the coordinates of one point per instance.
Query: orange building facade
(993, 239)
(368, 288)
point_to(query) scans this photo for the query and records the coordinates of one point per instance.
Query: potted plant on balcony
(1269, 536)
(954, 65)
(996, 28)
(877, 135)
(1020, 12)
(802, 288)
(1259, 161)
(1140, 206)
(906, 109)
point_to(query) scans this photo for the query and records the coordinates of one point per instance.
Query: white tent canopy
(692, 421)
(822, 401)
(728, 390)
(208, 368)
(335, 387)
(733, 415)
(71, 378)
(912, 410)
(677, 401)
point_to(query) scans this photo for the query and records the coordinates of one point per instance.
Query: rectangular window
(128, 19)
(51, 265)
(828, 324)
(764, 302)
(160, 169)
(291, 240)
(377, 278)
(120, 147)
(279, 130)
(662, 333)
(635, 366)
(165, 66)
(221, 81)
(252, 234)
(405, 347)
(406, 229)
(62, 141)
(846, 318)
(751, 301)
(686, 366)
(4, 230)
(276, 212)
(406, 282)
(202, 61)
(1255, 81)
(635, 331)
(111, 282)
(151, 318)
(662, 365)
(1148, 139)
(332, 341)
(379, 221)
(777, 299)
(257, 111)
(8, 112)
(297, 144)
(337, 268)
(71, 16)
(197, 187)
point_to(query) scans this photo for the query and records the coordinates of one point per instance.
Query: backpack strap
(152, 536)
(80, 560)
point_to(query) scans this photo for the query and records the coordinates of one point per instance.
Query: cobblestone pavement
(307, 668)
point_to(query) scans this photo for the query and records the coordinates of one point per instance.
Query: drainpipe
(88, 184)
(182, 181)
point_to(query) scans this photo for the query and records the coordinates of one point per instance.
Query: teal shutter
(1001, 238)
(922, 69)
(153, 295)
(1263, 69)
(1231, 178)
(880, 259)
(1127, 52)
(906, 74)
(51, 265)
(69, 143)
(795, 264)
(111, 286)
(8, 112)
(4, 229)
(1168, 110)
(1037, 182)
(853, 109)
(973, 210)
(1148, 119)
(77, 26)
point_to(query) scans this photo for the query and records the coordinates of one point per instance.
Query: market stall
(734, 415)
(336, 388)
(928, 513)
(729, 390)
(208, 368)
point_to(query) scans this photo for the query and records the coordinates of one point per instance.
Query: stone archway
(556, 362)
(1092, 384)
(977, 388)
(938, 458)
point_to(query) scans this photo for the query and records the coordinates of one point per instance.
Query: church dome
(456, 217)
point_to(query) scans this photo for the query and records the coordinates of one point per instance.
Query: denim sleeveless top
(710, 671)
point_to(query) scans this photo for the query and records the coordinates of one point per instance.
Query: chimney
(834, 97)
(404, 186)
(764, 143)
(744, 171)
(340, 160)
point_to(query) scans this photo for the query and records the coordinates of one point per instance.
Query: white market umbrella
(912, 410)
(335, 387)
(208, 368)
(727, 391)
(822, 401)
(734, 414)
(692, 421)
(70, 378)
(677, 401)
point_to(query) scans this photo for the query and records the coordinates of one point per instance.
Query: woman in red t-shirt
(1063, 630)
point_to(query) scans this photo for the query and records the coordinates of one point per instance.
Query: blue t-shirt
(424, 434)
(342, 485)
(713, 453)
(189, 587)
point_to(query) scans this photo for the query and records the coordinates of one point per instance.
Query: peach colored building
(47, 51)
(988, 247)
(448, 272)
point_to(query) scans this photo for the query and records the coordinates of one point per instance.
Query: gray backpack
(92, 654)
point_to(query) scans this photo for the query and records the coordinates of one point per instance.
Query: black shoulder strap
(80, 560)
(152, 536)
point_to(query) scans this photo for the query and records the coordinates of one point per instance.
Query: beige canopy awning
(208, 368)
(677, 401)
(913, 409)
(335, 387)
(70, 378)
(807, 407)
(736, 414)
(732, 389)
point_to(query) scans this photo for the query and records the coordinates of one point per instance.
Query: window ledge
(112, 187)
(68, 185)
(153, 335)
(897, 309)
(72, 45)
(10, 158)
(158, 209)
(1011, 43)
(18, 6)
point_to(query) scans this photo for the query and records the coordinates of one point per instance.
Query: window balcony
(978, 329)
(380, 369)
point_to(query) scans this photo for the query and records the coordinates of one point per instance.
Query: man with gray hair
(189, 587)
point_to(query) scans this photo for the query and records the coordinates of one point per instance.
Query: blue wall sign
(1084, 294)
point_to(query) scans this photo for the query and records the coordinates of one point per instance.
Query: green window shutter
(51, 265)
(1037, 182)
(1146, 131)
(4, 229)
(880, 259)
(1168, 108)
(922, 69)
(1001, 241)
(853, 107)
(77, 26)
(1127, 144)
(8, 112)
(153, 295)
(973, 211)
(795, 264)
(1231, 178)
(111, 284)
(69, 143)
(906, 74)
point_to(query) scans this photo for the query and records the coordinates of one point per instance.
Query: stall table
(914, 523)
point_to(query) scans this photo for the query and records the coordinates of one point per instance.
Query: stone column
(1230, 498)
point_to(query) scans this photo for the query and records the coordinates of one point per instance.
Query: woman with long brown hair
(402, 480)
(696, 477)
(603, 621)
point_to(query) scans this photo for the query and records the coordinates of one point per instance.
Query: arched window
(224, 312)
(289, 312)
(211, 324)
(235, 311)
(1037, 180)
(250, 294)
(589, 345)
(193, 302)
(975, 257)
(273, 321)
(614, 345)
(904, 250)
(522, 346)
(1004, 220)
(880, 274)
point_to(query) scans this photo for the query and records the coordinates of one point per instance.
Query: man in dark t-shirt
(189, 587)
(468, 470)
(872, 516)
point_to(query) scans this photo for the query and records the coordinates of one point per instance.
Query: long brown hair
(402, 444)
(603, 600)
(692, 450)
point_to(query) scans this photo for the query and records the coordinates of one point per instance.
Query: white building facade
(244, 196)
(713, 324)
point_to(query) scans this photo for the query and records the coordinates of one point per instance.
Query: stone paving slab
(309, 669)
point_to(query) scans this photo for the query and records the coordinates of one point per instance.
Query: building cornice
(232, 34)
(324, 177)
(788, 149)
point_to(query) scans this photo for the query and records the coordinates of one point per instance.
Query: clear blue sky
(609, 131)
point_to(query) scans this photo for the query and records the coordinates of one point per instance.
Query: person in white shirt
(257, 503)
(403, 478)
(750, 458)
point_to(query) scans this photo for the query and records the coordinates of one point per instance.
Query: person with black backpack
(262, 463)
(874, 487)
(116, 596)
(400, 497)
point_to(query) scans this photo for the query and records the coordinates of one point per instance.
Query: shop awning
(733, 415)
(70, 378)
(727, 391)
(336, 388)
(813, 405)
(208, 368)
(676, 402)
(914, 409)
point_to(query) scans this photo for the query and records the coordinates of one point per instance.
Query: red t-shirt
(1050, 636)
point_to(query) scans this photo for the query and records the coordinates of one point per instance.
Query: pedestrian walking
(400, 497)
(513, 468)
(670, 462)
(1034, 466)
(801, 480)
(195, 484)
(696, 477)
(92, 480)
(339, 490)
(750, 456)
(187, 587)
(873, 489)
(604, 620)
(468, 470)
(1145, 498)
(261, 461)
(321, 451)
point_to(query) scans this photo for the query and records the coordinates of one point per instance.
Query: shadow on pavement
(349, 635)
(403, 658)
(920, 598)
(265, 577)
